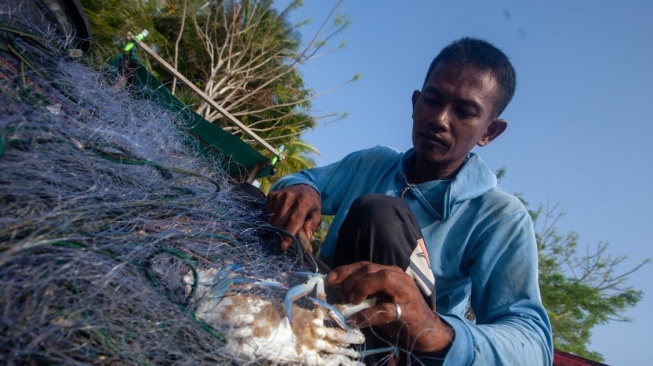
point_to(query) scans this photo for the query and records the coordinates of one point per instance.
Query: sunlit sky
(579, 125)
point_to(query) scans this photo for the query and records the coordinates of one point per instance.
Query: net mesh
(105, 205)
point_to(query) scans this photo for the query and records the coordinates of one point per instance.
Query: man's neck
(420, 172)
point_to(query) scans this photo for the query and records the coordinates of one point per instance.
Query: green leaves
(245, 55)
(579, 290)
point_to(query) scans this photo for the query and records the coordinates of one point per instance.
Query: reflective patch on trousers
(420, 270)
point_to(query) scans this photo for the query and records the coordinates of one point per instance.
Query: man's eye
(466, 113)
(430, 100)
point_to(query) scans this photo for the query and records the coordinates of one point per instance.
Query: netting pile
(105, 204)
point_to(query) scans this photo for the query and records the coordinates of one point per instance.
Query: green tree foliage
(297, 157)
(110, 21)
(244, 54)
(580, 289)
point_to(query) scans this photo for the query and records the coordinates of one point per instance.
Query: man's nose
(440, 118)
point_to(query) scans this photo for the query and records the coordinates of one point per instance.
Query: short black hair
(484, 55)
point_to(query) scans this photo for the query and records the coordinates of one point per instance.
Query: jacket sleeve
(511, 326)
(331, 181)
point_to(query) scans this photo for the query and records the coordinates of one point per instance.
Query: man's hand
(418, 326)
(294, 208)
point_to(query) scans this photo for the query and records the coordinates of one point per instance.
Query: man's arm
(296, 201)
(511, 325)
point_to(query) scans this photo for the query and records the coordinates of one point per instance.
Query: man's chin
(430, 156)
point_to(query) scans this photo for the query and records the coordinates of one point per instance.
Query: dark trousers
(383, 230)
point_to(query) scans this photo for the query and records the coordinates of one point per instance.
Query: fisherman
(432, 217)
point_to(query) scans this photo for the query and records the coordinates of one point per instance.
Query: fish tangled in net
(106, 205)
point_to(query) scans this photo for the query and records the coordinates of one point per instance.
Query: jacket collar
(473, 180)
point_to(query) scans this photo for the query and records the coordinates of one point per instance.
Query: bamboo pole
(199, 92)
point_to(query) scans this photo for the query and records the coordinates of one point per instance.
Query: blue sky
(579, 125)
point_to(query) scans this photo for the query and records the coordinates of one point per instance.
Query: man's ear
(415, 97)
(493, 131)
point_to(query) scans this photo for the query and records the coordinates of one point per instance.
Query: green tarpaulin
(236, 156)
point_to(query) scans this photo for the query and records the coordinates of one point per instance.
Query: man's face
(453, 112)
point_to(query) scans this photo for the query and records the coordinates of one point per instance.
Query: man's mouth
(433, 140)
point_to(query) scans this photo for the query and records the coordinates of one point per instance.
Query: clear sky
(580, 121)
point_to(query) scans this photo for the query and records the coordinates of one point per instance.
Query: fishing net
(106, 204)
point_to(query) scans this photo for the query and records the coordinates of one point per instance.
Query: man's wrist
(440, 338)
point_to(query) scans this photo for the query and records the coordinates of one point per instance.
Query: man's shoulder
(375, 155)
(501, 200)
(381, 151)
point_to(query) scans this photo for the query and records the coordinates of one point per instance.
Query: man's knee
(375, 207)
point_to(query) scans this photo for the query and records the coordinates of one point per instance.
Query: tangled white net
(112, 225)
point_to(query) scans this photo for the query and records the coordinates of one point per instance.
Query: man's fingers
(312, 220)
(380, 314)
(337, 276)
(388, 282)
(286, 243)
(354, 272)
(294, 209)
(300, 229)
(362, 279)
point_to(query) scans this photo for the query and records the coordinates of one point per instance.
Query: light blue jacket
(480, 241)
